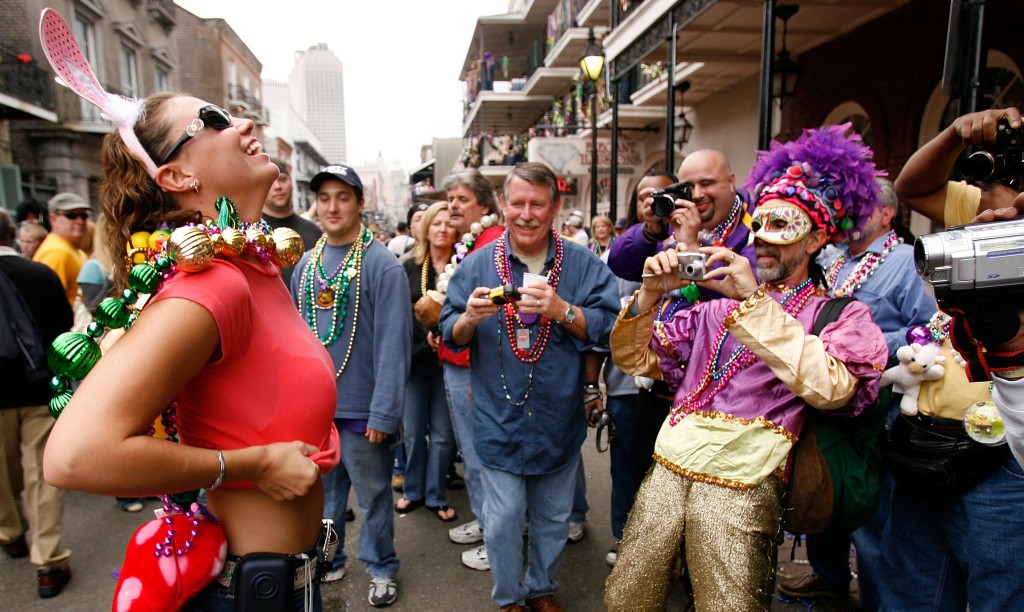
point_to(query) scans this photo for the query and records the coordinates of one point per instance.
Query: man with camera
(993, 173)
(702, 209)
(955, 534)
(748, 372)
(528, 376)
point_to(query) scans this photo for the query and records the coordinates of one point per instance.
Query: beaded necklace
(720, 233)
(332, 292)
(597, 249)
(864, 270)
(717, 376)
(510, 315)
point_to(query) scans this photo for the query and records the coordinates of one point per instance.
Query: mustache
(527, 224)
(768, 251)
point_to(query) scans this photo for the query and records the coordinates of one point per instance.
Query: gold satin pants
(730, 538)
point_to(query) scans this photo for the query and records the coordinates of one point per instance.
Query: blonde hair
(422, 246)
(600, 219)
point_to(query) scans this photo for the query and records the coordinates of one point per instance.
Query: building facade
(316, 88)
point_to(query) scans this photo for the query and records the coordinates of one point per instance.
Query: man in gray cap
(61, 251)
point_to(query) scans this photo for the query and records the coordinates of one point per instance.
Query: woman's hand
(288, 471)
(433, 341)
(735, 278)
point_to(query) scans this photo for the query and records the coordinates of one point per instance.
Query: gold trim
(659, 328)
(716, 480)
(744, 307)
(759, 421)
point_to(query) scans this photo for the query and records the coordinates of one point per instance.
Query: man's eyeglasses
(75, 216)
(209, 116)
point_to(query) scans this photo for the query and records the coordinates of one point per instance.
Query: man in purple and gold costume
(747, 372)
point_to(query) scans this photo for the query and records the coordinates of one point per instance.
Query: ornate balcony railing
(21, 78)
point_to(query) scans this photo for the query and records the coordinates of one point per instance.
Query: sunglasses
(75, 216)
(209, 116)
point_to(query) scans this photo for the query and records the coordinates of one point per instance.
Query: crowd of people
(496, 329)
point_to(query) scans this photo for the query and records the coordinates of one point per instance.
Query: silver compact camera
(975, 258)
(691, 266)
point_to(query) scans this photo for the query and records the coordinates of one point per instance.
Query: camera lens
(979, 166)
(921, 257)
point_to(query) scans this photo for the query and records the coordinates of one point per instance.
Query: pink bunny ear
(69, 63)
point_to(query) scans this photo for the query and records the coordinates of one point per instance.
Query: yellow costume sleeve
(631, 343)
(796, 357)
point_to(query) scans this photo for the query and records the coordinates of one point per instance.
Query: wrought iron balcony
(22, 79)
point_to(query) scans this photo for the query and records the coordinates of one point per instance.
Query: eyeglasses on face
(75, 216)
(209, 116)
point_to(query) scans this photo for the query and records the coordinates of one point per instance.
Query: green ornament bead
(144, 278)
(58, 403)
(72, 355)
(58, 384)
(129, 297)
(111, 313)
(95, 330)
(846, 224)
(162, 264)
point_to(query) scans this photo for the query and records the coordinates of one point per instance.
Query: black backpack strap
(830, 313)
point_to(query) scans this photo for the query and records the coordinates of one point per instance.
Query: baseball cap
(339, 172)
(415, 208)
(621, 223)
(66, 201)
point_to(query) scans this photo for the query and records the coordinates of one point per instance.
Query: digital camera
(504, 294)
(665, 199)
(1001, 161)
(691, 266)
(973, 262)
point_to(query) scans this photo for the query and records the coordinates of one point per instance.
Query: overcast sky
(402, 60)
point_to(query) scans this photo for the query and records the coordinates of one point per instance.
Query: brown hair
(535, 173)
(473, 180)
(129, 197)
(422, 245)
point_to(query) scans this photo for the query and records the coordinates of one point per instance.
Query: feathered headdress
(826, 172)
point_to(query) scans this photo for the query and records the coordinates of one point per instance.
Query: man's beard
(777, 272)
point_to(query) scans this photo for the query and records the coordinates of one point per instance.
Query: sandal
(403, 505)
(445, 513)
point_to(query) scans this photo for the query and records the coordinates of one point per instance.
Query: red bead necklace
(510, 313)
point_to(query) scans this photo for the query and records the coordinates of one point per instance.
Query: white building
(316, 88)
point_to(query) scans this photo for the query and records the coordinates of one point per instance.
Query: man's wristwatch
(570, 315)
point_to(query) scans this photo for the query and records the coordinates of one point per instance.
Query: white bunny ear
(73, 70)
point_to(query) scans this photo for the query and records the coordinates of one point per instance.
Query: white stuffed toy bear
(918, 363)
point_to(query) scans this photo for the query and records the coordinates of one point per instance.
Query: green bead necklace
(321, 291)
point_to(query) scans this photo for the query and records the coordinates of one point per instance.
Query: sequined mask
(781, 223)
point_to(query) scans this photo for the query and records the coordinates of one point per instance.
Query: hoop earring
(194, 185)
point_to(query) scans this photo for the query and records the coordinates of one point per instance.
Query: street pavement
(431, 577)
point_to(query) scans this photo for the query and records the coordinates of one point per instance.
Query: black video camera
(1002, 161)
(665, 199)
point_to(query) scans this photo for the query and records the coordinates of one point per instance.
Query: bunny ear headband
(70, 64)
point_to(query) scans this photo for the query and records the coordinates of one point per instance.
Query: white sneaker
(334, 575)
(613, 555)
(383, 591)
(476, 558)
(467, 533)
(577, 530)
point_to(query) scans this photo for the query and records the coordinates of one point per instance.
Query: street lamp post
(592, 65)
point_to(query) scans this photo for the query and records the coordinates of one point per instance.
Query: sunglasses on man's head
(209, 116)
(75, 216)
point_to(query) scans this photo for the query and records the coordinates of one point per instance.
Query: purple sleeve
(629, 252)
(672, 342)
(857, 342)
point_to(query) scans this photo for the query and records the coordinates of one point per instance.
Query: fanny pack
(935, 459)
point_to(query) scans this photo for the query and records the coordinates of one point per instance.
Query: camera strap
(981, 363)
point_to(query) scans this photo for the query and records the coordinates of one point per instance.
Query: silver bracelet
(220, 475)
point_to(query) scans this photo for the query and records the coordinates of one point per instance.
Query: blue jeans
(399, 460)
(508, 499)
(966, 550)
(426, 414)
(624, 482)
(580, 507)
(456, 385)
(367, 468)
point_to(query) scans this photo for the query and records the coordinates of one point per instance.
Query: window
(232, 79)
(855, 114)
(161, 80)
(85, 33)
(129, 71)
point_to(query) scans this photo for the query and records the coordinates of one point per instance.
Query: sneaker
(467, 533)
(810, 586)
(613, 555)
(334, 575)
(131, 505)
(383, 591)
(476, 558)
(577, 530)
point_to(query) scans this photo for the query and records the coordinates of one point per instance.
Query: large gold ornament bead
(190, 248)
(234, 242)
(288, 247)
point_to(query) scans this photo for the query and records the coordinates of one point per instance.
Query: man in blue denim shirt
(528, 378)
